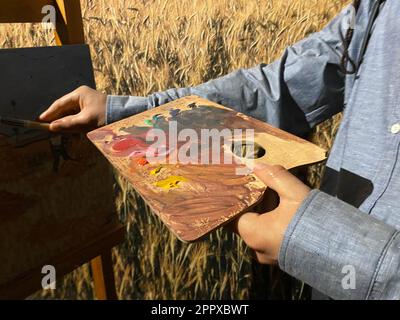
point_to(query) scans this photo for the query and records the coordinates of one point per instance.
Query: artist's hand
(83, 109)
(264, 232)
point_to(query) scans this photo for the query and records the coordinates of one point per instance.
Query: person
(344, 239)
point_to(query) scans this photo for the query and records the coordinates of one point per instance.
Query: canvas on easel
(49, 200)
(51, 184)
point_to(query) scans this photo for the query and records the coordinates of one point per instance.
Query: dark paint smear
(201, 117)
(174, 113)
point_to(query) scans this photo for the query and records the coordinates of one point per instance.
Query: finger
(66, 105)
(74, 123)
(279, 179)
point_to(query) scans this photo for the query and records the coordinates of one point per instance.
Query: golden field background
(139, 47)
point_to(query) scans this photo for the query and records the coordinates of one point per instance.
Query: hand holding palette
(187, 160)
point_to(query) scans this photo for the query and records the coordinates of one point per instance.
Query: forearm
(258, 92)
(328, 239)
(261, 92)
(301, 89)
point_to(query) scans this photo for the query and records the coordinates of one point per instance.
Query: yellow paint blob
(156, 170)
(170, 182)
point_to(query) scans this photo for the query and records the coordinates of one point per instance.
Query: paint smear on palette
(156, 171)
(127, 143)
(127, 146)
(142, 161)
(171, 182)
(174, 113)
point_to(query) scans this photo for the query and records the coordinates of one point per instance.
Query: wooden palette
(190, 196)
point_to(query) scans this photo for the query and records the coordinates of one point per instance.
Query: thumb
(245, 226)
(279, 179)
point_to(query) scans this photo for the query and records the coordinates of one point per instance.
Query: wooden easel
(69, 30)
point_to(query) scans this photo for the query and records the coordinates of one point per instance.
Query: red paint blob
(127, 143)
(142, 161)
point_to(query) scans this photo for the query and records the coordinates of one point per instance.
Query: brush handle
(25, 123)
(37, 125)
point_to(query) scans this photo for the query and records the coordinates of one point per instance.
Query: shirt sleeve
(301, 89)
(341, 251)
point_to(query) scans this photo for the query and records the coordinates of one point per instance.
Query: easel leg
(103, 277)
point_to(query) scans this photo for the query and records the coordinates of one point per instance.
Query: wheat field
(142, 46)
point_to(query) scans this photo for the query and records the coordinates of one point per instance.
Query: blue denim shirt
(344, 241)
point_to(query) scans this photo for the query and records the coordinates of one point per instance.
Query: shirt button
(395, 129)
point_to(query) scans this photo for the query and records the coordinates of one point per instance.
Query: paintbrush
(25, 123)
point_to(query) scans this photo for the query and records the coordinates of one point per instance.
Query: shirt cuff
(336, 248)
(119, 107)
